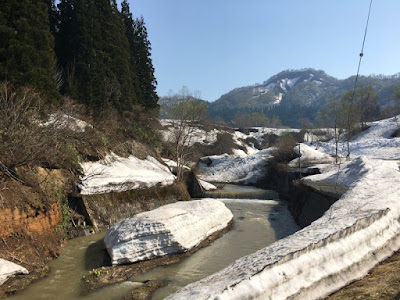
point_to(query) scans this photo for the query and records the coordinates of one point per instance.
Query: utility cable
(354, 91)
(356, 80)
(362, 47)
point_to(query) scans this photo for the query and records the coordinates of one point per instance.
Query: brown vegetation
(382, 283)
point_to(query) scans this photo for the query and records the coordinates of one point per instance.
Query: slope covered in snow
(115, 173)
(359, 230)
(375, 142)
(245, 167)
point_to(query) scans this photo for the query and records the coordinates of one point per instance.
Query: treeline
(86, 49)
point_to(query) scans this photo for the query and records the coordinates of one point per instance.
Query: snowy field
(359, 230)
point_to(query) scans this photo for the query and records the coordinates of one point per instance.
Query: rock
(9, 269)
(170, 229)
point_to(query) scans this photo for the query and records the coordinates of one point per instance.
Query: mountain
(295, 94)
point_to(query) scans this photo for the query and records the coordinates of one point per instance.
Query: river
(258, 222)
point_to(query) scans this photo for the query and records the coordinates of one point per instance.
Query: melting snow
(359, 230)
(116, 173)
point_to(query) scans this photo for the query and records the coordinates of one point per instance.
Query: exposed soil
(113, 274)
(382, 283)
(32, 252)
(30, 212)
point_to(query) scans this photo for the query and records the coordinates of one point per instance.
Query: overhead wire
(358, 75)
(355, 87)
(362, 47)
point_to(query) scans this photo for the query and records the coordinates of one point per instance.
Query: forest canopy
(86, 49)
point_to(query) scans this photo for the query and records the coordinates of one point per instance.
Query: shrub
(284, 148)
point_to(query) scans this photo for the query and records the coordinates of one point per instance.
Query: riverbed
(258, 222)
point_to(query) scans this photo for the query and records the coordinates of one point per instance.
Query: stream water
(257, 223)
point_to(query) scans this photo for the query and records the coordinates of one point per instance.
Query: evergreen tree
(128, 23)
(53, 16)
(67, 41)
(26, 47)
(94, 51)
(118, 47)
(144, 64)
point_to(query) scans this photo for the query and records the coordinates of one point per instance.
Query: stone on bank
(170, 229)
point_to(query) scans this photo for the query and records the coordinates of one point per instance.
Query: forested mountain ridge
(294, 94)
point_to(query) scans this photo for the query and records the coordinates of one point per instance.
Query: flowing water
(257, 223)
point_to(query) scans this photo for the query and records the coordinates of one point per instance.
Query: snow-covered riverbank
(361, 229)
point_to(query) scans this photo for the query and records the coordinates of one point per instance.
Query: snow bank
(115, 174)
(235, 168)
(173, 166)
(375, 142)
(9, 269)
(359, 230)
(197, 136)
(309, 156)
(173, 228)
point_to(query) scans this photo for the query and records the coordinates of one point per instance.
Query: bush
(284, 148)
(25, 138)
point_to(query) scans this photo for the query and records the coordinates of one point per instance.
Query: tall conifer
(140, 49)
(26, 46)
(144, 64)
(97, 55)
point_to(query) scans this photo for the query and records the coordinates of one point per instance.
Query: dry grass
(382, 283)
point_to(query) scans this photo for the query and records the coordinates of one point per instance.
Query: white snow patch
(374, 142)
(310, 156)
(234, 168)
(172, 228)
(278, 99)
(9, 269)
(115, 174)
(66, 121)
(197, 136)
(207, 186)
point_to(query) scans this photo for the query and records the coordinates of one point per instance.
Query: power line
(358, 74)
(362, 47)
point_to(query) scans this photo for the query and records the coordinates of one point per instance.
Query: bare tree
(396, 109)
(331, 116)
(367, 104)
(187, 114)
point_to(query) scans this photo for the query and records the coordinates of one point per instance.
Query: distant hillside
(166, 102)
(294, 94)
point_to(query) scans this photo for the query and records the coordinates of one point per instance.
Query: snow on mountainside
(294, 94)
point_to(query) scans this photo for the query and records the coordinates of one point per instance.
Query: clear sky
(214, 46)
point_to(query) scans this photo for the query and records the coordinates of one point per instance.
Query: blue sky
(214, 46)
